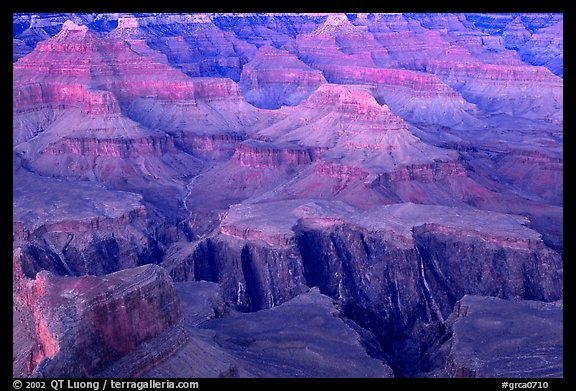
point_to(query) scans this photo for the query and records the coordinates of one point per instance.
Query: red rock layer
(97, 224)
(76, 55)
(83, 324)
(114, 147)
(344, 100)
(340, 171)
(212, 147)
(426, 173)
(461, 71)
(263, 155)
(493, 239)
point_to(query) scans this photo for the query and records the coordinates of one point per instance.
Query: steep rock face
(83, 324)
(81, 228)
(519, 339)
(261, 155)
(526, 261)
(275, 78)
(251, 275)
(425, 173)
(219, 147)
(422, 84)
(397, 275)
(122, 148)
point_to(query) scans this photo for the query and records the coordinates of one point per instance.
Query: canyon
(288, 195)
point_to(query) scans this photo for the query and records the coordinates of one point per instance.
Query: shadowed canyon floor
(287, 195)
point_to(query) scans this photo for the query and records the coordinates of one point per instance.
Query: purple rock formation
(83, 324)
(508, 339)
(400, 163)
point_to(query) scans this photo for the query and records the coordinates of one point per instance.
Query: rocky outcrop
(154, 146)
(340, 171)
(426, 173)
(415, 96)
(275, 78)
(79, 55)
(420, 84)
(509, 339)
(134, 144)
(265, 253)
(219, 147)
(263, 155)
(80, 229)
(238, 267)
(83, 324)
(350, 101)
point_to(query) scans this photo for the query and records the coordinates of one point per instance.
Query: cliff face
(81, 229)
(85, 323)
(396, 283)
(260, 155)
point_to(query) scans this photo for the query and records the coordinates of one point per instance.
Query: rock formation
(275, 78)
(305, 179)
(304, 337)
(83, 324)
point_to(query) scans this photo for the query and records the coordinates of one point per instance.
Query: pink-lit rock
(83, 324)
(275, 78)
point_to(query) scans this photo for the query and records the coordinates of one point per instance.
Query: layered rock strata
(83, 324)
